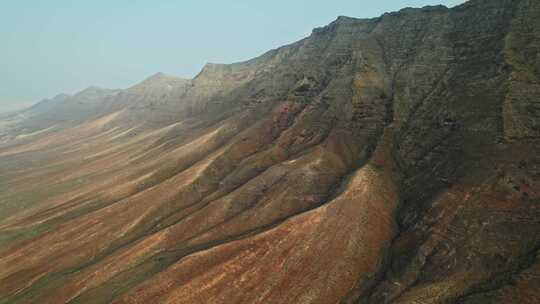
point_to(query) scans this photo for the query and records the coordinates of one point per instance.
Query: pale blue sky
(60, 46)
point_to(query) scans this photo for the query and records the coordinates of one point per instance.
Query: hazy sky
(59, 46)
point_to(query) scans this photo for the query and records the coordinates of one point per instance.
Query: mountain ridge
(388, 160)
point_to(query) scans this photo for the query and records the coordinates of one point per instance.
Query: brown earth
(385, 160)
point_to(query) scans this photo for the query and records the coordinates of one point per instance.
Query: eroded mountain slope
(387, 160)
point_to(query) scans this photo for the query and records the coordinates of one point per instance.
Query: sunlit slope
(387, 160)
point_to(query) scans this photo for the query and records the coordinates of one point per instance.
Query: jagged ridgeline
(386, 160)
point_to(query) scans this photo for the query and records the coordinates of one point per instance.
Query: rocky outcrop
(386, 160)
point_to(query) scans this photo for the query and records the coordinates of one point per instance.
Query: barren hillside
(385, 160)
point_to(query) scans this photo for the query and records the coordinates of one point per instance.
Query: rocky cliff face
(387, 160)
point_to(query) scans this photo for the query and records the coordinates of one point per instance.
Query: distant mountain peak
(161, 77)
(159, 82)
(94, 88)
(61, 96)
